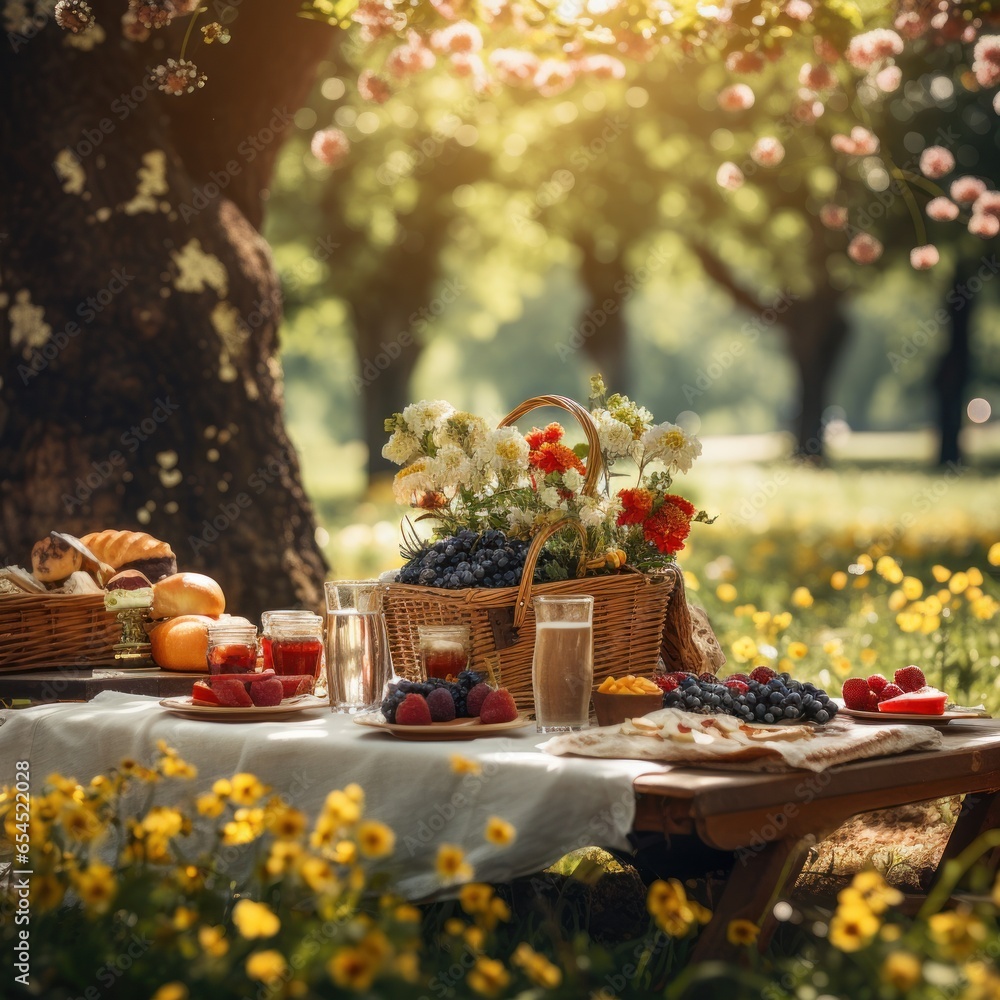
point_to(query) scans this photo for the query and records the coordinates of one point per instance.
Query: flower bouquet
(517, 515)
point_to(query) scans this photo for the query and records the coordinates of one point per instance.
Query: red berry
(762, 674)
(876, 682)
(666, 682)
(441, 705)
(498, 707)
(267, 693)
(232, 694)
(856, 693)
(910, 678)
(740, 687)
(738, 677)
(413, 712)
(475, 698)
(890, 691)
(872, 701)
(708, 677)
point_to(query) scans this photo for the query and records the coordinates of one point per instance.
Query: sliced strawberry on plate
(202, 694)
(294, 684)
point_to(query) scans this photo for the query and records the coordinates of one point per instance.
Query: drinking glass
(358, 663)
(562, 669)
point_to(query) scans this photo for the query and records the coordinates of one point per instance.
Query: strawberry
(762, 674)
(672, 680)
(890, 691)
(293, 684)
(876, 682)
(855, 694)
(475, 698)
(708, 678)
(738, 677)
(872, 701)
(738, 686)
(202, 694)
(498, 707)
(413, 712)
(232, 694)
(267, 693)
(910, 678)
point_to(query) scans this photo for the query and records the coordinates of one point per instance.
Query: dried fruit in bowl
(629, 684)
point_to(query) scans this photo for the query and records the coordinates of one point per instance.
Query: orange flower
(550, 435)
(551, 457)
(637, 505)
(670, 525)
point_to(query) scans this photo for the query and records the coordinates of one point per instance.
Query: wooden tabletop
(84, 683)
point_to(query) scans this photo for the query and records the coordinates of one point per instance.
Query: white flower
(504, 450)
(616, 436)
(426, 415)
(450, 468)
(550, 497)
(518, 518)
(572, 480)
(591, 512)
(414, 478)
(401, 448)
(671, 445)
(461, 428)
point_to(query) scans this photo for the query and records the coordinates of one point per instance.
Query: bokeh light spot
(333, 88)
(979, 410)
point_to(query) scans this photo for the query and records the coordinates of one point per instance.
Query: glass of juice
(562, 669)
(444, 649)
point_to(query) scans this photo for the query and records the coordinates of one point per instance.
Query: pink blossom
(936, 161)
(737, 97)
(377, 18)
(458, 37)
(414, 56)
(985, 226)
(729, 176)
(888, 80)
(966, 189)
(867, 49)
(860, 142)
(767, 151)
(911, 24)
(986, 60)
(373, 88)
(833, 216)
(601, 67)
(807, 110)
(826, 50)
(798, 10)
(864, 249)
(471, 64)
(513, 66)
(942, 210)
(818, 77)
(925, 257)
(450, 10)
(744, 62)
(330, 146)
(988, 203)
(553, 77)
(490, 10)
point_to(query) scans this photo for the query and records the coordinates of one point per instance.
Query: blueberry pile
(458, 689)
(777, 700)
(468, 559)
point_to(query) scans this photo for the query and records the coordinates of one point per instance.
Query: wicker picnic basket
(637, 616)
(56, 630)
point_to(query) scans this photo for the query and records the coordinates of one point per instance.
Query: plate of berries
(906, 698)
(253, 697)
(442, 709)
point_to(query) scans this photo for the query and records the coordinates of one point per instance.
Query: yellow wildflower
(79, 821)
(901, 970)
(796, 650)
(488, 976)
(842, 665)
(500, 832)
(222, 787)
(897, 600)
(451, 863)
(802, 598)
(474, 938)
(912, 588)
(865, 561)
(475, 897)
(254, 920)
(355, 793)
(975, 576)
(940, 573)
(46, 893)
(909, 621)
(839, 580)
(744, 649)
(959, 583)
(463, 765)
(171, 991)
(407, 967)
(853, 927)
(726, 592)
(537, 967)
(266, 966)
(247, 789)
(691, 581)
(744, 610)
(993, 556)
(184, 917)
(353, 968)
(781, 621)
(454, 926)
(246, 826)
(407, 914)
(213, 941)
(286, 823)
(868, 656)
(874, 891)
(210, 805)
(960, 932)
(95, 886)
(318, 875)
(832, 647)
(375, 840)
(173, 767)
(341, 809)
(345, 853)
(742, 932)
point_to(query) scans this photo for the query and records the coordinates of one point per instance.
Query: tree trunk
(602, 323)
(952, 373)
(139, 306)
(816, 332)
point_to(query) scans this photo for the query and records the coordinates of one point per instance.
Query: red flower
(550, 457)
(670, 525)
(550, 435)
(636, 506)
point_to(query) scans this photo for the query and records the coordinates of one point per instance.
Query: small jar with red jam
(444, 650)
(232, 647)
(297, 645)
(271, 619)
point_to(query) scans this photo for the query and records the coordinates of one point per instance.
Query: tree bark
(139, 305)
(952, 373)
(602, 323)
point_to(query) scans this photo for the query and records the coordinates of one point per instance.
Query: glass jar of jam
(444, 649)
(269, 619)
(297, 646)
(232, 647)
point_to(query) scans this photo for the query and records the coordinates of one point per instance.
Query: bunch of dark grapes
(458, 689)
(777, 700)
(468, 559)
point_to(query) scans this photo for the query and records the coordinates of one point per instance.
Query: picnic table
(557, 804)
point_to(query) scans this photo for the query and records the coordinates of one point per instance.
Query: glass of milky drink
(562, 671)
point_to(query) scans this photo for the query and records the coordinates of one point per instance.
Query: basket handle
(594, 462)
(531, 559)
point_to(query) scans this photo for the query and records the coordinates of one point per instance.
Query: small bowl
(614, 709)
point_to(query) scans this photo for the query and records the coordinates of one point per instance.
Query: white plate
(909, 717)
(458, 729)
(252, 713)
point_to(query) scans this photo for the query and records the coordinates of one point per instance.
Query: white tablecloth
(556, 804)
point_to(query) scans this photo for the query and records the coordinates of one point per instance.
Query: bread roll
(53, 560)
(187, 594)
(133, 550)
(181, 643)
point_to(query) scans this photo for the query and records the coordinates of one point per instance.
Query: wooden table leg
(750, 892)
(980, 812)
